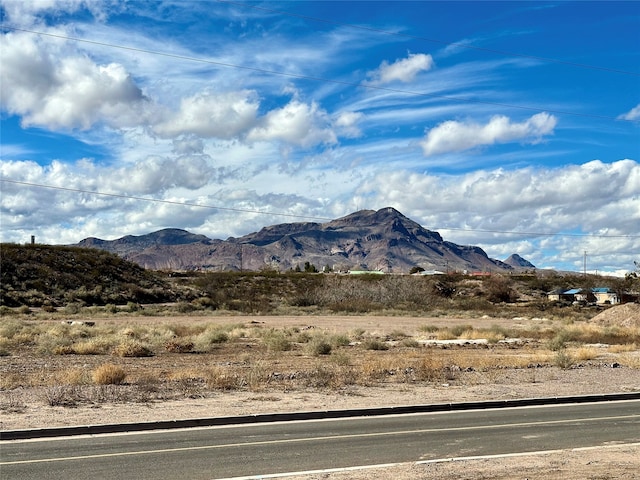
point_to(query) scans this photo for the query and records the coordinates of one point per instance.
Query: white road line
(422, 462)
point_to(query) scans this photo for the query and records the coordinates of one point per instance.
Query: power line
(157, 200)
(433, 40)
(320, 79)
(290, 215)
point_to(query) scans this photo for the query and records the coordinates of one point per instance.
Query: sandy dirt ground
(24, 409)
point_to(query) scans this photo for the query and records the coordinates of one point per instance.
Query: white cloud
(347, 124)
(633, 114)
(212, 115)
(402, 70)
(587, 198)
(52, 89)
(455, 136)
(296, 123)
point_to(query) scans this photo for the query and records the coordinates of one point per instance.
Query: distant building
(605, 296)
(599, 296)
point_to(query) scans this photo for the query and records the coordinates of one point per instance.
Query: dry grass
(109, 374)
(193, 358)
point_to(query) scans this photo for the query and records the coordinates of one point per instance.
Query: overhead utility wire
(433, 40)
(157, 200)
(243, 210)
(318, 79)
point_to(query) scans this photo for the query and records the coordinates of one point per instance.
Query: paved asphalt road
(220, 452)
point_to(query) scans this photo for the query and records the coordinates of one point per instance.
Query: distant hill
(55, 275)
(517, 262)
(383, 240)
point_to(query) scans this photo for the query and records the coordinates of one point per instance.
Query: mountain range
(383, 240)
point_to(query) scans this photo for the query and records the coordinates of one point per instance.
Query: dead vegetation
(157, 359)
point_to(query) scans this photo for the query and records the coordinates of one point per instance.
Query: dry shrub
(629, 347)
(108, 374)
(585, 353)
(319, 346)
(375, 344)
(219, 378)
(630, 360)
(62, 395)
(176, 346)
(11, 381)
(91, 347)
(132, 348)
(70, 376)
(277, 341)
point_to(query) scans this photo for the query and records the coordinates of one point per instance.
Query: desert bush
(319, 346)
(92, 347)
(341, 358)
(428, 328)
(375, 344)
(458, 330)
(500, 290)
(72, 308)
(62, 395)
(410, 343)
(559, 341)
(108, 374)
(70, 376)
(563, 359)
(339, 340)
(219, 378)
(176, 346)
(211, 338)
(277, 341)
(132, 348)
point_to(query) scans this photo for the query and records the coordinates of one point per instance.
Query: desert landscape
(198, 366)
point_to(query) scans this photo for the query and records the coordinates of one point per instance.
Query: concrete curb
(314, 415)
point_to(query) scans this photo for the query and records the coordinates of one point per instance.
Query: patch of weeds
(410, 343)
(11, 403)
(375, 344)
(219, 378)
(559, 341)
(428, 328)
(108, 374)
(563, 360)
(341, 359)
(177, 346)
(340, 340)
(132, 348)
(62, 395)
(319, 346)
(458, 330)
(277, 341)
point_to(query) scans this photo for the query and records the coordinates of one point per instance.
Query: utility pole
(584, 266)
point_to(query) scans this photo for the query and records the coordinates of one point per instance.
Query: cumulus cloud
(50, 89)
(346, 124)
(586, 198)
(212, 115)
(633, 114)
(296, 123)
(455, 136)
(402, 70)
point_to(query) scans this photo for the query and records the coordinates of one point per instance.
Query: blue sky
(514, 126)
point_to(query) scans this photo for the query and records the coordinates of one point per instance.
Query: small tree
(310, 268)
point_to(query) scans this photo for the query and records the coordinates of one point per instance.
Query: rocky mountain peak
(382, 239)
